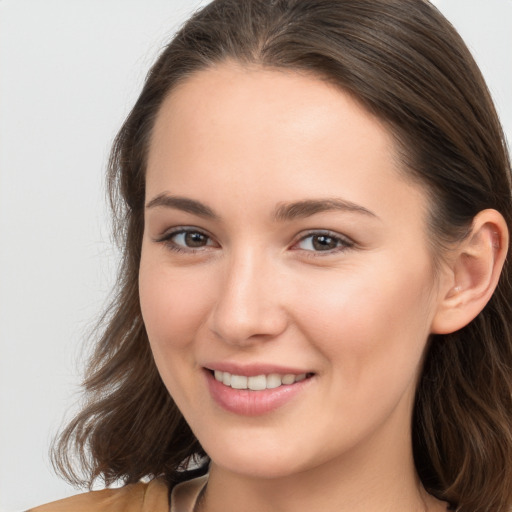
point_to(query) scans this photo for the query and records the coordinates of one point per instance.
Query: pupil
(195, 239)
(324, 243)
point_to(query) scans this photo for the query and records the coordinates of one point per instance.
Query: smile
(257, 382)
(256, 394)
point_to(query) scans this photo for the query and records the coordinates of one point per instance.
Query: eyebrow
(182, 203)
(284, 212)
(308, 207)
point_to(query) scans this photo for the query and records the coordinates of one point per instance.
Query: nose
(248, 308)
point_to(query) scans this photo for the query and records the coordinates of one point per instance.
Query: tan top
(140, 497)
(185, 495)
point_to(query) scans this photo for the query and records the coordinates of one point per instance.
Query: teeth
(258, 382)
(238, 382)
(273, 381)
(288, 379)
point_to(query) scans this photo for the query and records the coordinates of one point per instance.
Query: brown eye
(194, 239)
(187, 239)
(324, 242)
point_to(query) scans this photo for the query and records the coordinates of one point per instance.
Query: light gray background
(69, 72)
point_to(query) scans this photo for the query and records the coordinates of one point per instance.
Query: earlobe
(475, 268)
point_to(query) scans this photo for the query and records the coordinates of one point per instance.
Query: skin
(244, 142)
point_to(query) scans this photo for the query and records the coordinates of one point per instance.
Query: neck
(378, 477)
(316, 490)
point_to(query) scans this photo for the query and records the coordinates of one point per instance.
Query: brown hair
(407, 65)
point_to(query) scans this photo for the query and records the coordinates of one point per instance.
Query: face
(286, 283)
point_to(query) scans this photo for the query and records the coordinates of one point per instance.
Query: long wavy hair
(405, 63)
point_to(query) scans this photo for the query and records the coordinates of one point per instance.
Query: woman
(313, 199)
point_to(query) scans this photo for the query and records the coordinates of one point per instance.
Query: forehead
(232, 93)
(271, 133)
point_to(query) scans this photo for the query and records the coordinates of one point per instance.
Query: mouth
(258, 382)
(254, 395)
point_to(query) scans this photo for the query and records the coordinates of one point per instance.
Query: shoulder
(140, 497)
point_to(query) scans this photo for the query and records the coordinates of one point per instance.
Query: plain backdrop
(69, 72)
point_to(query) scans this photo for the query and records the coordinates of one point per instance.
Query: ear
(472, 273)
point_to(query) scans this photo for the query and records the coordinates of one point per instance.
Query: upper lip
(251, 370)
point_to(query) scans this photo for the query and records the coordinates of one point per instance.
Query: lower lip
(246, 402)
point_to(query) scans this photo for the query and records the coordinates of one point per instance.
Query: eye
(323, 242)
(187, 239)
(191, 239)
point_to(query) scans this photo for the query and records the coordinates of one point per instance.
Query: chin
(257, 468)
(264, 460)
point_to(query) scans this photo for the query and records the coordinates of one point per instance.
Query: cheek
(173, 308)
(173, 305)
(370, 324)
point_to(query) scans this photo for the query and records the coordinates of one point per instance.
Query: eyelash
(167, 239)
(343, 243)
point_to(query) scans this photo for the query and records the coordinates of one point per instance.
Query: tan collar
(184, 495)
